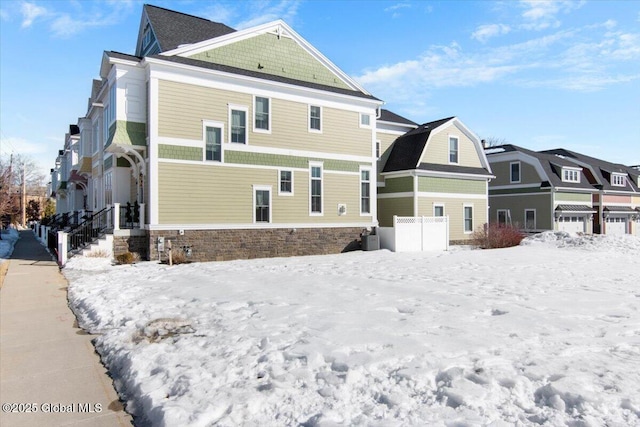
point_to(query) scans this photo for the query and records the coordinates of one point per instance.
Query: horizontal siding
(573, 197)
(182, 107)
(437, 150)
(502, 171)
(397, 185)
(387, 208)
(517, 204)
(205, 194)
(451, 185)
(453, 208)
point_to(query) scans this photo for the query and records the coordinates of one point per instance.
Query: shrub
(179, 257)
(493, 236)
(126, 258)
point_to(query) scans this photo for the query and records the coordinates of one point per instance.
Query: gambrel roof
(550, 166)
(600, 170)
(407, 151)
(173, 29)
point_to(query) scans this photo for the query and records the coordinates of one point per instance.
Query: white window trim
(246, 129)
(205, 125)
(468, 205)
(268, 131)
(535, 219)
(439, 205)
(621, 177)
(321, 166)
(263, 188)
(511, 172)
(565, 178)
(457, 138)
(310, 129)
(280, 193)
(371, 201)
(363, 125)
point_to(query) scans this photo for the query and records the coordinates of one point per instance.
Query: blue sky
(540, 74)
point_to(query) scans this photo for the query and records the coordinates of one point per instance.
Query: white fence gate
(416, 234)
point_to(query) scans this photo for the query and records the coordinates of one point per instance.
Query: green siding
(246, 158)
(451, 185)
(108, 162)
(127, 133)
(387, 208)
(270, 54)
(397, 185)
(177, 152)
(574, 197)
(519, 190)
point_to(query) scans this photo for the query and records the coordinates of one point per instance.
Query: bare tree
(15, 171)
(494, 141)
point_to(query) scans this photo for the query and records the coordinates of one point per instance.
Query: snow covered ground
(7, 243)
(544, 333)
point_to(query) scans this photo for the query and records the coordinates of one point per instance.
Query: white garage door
(572, 224)
(616, 226)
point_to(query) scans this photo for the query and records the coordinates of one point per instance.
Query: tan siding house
(437, 169)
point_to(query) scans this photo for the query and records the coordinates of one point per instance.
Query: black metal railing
(130, 216)
(90, 230)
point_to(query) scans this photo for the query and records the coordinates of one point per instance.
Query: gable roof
(264, 76)
(173, 29)
(550, 163)
(391, 117)
(601, 170)
(407, 150)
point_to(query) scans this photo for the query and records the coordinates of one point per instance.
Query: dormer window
(570, 175)
(146, 38)
(618, 180)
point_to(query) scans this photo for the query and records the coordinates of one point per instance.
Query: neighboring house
(235, 144)
(437, 169)
(539, 191)
(389, 127)
(616, 192)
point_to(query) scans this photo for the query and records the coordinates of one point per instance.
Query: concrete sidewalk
(47, 365)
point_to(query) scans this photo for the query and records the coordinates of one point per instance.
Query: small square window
(618, 180)
(365, 120)
(286, 183)
(570, 175)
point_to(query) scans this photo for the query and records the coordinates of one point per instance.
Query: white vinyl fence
(416, 234)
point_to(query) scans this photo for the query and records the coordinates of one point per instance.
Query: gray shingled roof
(173, 29)
(389, 116)
(551, 164)
(407, 149)
(601, 169)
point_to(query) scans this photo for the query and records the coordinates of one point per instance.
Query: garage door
(571, 224)
(616, 226)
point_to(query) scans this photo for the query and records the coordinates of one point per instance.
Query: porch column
(116, 216)
(142, 218)
(62, 248)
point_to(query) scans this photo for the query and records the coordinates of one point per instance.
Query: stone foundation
(222, 245)
(134, 243)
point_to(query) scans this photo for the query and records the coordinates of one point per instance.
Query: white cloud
(396, 8)
(485, 32)
(30, 12)
(219, 13)
(543, 14)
